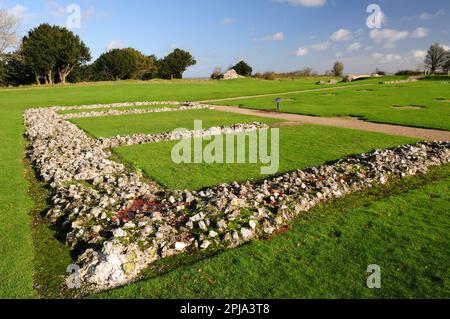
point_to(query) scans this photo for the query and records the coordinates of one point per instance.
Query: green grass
(300, 147)
(52, 257)
(403, 227)
(375, 105)
(16, 246)
(160, 122)
(124, 91)
(17, 254)
(121, 108)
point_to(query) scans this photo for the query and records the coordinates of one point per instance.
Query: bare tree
(436, 57)
(338, 68)
(217, 74)
(446, 66)
(9, 31)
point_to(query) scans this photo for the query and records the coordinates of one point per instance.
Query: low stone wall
(131, 223)
(136, 139)
(412, 80)
(190, 107)
(113, 105)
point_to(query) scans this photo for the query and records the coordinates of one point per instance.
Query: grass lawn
(159, 90)
(19, 260)
(300, 147)
(422, 104)
(152, 123)
(16, 246)
(403, 227)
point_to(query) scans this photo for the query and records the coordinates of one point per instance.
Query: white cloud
(377, 55)
(354, 46)
(389, 45)
(279, 36)
(419, 54)
(55, 10)
(305, 3)
(321, 46)
(91, 12)
(388, 36)
(392, 57)
(446, 47)
(338, 54)
(341, 35)
(227, 21)
(302, 52)
(18, 11)
(338, 36)
(420, 33)
(114, 44)
(387, 58)
(430, 16)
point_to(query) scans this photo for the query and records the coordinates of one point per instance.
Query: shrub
(408, 72)
(217, 74)
(242, 68)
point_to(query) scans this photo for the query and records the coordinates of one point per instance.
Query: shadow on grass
(51, 256)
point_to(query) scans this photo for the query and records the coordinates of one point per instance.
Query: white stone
(205, 244)
(179, 246)
(246, 233)
(213, 234)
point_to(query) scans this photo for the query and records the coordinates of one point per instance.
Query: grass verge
(51, 256)
(412, 104)
(299, 147)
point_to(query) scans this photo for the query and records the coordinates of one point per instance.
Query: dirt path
(286, 93)
(351, 123)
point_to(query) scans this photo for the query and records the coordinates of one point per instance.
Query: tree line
(53, 54)
(437, 60)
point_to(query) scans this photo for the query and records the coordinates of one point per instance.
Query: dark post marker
(278, 101)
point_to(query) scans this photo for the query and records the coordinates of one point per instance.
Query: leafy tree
(116, 64)
(82, 73)
(242, 68)
(175, 64)
(40, 52)
(338, 68)
(436, 57)
(72, 52)
(146, 66)
(122, 64)
(49, 49)
(13, 71)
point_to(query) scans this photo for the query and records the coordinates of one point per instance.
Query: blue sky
(278, 35)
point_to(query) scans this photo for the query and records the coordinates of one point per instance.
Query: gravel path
(345, 122)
